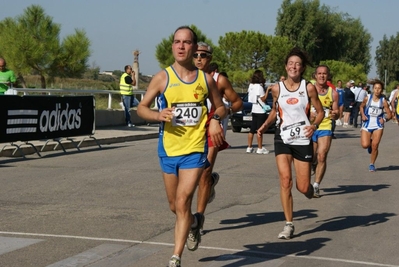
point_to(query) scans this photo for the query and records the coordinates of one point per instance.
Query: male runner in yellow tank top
(323, 135)
(182, 147)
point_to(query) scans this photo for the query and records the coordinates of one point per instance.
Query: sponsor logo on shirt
(292, 101)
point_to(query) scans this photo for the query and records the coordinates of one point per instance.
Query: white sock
(176, 256)
(289, 223)
(316, 184)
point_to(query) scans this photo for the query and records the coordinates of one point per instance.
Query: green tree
(246, 50)
(239, 54)
(117, 73)
(92, 72)
(323, 33)
(72, 57)
(31, 44)
(278, 46)
(387, 58)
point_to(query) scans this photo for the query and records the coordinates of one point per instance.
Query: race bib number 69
(293, 132)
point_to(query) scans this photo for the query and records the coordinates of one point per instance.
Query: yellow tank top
(186, 133)
(326, 101)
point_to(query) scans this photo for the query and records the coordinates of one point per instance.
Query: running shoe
(288, 231)
(372, 168)
(262, 150)
(194, 236)
(215, 178)
(250, 149)
(316, 193)
(174, 261)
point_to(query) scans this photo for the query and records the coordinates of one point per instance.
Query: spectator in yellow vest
(126, 84)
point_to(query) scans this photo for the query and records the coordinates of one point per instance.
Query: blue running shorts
(173, 164)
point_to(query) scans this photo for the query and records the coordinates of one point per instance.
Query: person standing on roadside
(292, 141)
(257, 96)
(340, 92)
(182, 147)
(372, 112)
(126, 84)
(322, 137)
(349, 102)
(7, 77)
(360, 94)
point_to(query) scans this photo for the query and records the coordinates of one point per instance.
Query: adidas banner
(26, 118)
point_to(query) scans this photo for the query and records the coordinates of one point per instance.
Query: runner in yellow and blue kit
(182, 90)
(323, 136)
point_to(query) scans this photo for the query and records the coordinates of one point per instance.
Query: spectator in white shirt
(360, 94)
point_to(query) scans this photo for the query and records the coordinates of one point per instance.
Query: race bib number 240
(186, 114)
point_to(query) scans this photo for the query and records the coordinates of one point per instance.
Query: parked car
(243, 119)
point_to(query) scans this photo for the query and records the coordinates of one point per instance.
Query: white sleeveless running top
(293, 114)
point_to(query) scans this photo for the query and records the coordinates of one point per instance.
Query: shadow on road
(388, 168)
(260, 219)
(347, 189)
(345, 222)
(258, 253)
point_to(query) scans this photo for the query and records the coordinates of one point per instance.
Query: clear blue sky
(118, 27)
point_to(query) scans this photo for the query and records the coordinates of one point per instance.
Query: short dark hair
(195, 38)
(377, 81)
(127, 67)
(257, 77)
(213, 66)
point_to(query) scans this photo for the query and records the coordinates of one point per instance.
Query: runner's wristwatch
(216, 117)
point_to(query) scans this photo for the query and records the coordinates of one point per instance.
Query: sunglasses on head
(202, 55)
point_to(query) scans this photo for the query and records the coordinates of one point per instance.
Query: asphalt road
(107, 207)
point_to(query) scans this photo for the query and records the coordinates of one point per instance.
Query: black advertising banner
(26, 118)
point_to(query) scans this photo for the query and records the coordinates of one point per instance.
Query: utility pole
(135, 67)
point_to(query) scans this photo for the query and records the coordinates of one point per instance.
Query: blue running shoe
(372, 168)
(369, 149)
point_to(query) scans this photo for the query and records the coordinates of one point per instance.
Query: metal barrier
(27, 91)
